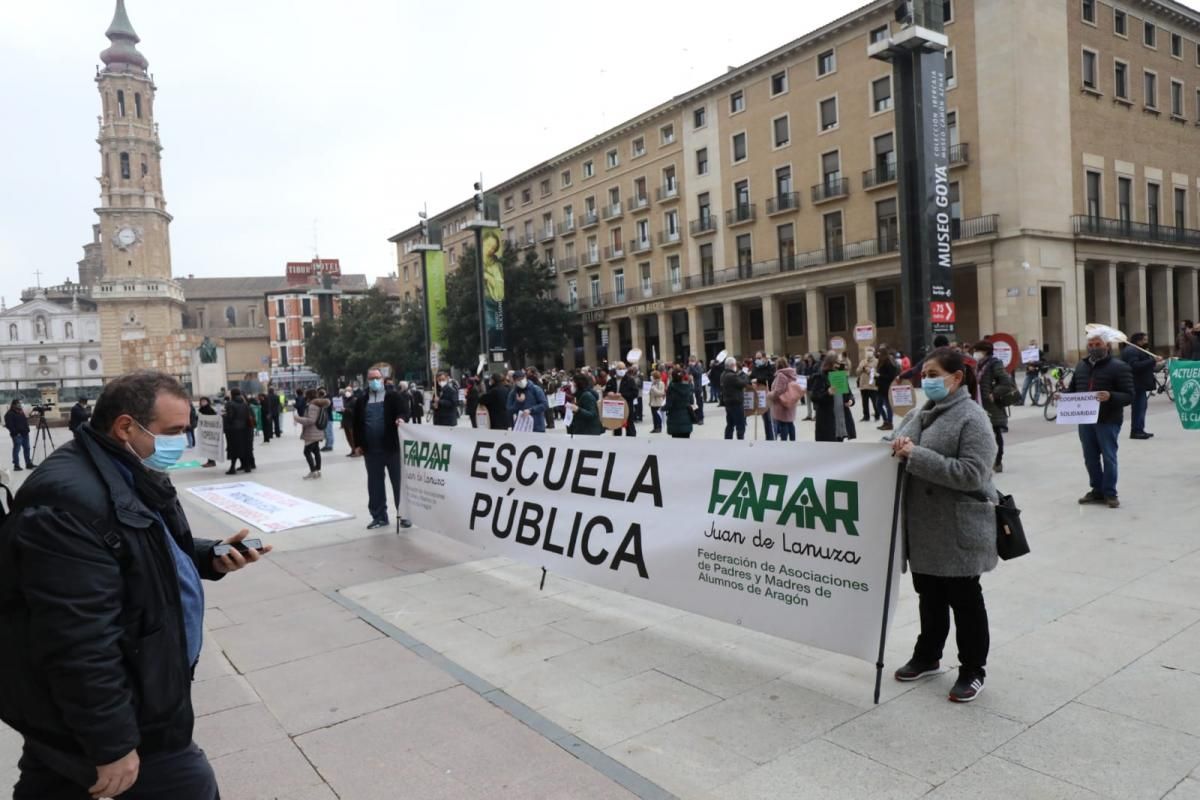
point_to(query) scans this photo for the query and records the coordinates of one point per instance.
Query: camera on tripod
(43, 408)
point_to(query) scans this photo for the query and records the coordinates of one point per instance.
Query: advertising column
(433, 262)
(491, 244)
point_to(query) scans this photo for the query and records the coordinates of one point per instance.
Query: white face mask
(620, 373)
(521, 384)
(441, 384)
(980, 355)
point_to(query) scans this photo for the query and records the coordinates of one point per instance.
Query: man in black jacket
(445, 402)
(1142, 365)
(102, 608)
(629, 386)
(495, 400)
(80, 413)
(733, 389)
(378, 441)
(696, 373)
(1112, 381)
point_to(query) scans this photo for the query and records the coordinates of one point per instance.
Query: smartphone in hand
(243, 547)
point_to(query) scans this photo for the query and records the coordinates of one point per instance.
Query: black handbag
(1010, 533)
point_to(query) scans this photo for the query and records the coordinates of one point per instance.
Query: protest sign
(210, 437)
(704, 381)
(523, 423)
(613, 413)
(802, 382)
(558, 399)
(864, 332)
(1031, 355)
(903, 398)
(1079, 408)
(800, 545)
(1185, 385)
(482, 418)
(839, 382)
(837, 343)
(267, 509)
(462, 395)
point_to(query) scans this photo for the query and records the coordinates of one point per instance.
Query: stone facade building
(49, 345)
(760, 211)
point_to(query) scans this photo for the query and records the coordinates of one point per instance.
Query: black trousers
(185, 775)
(312, 454)
(378, 463)
(964, 596)
(999, 442)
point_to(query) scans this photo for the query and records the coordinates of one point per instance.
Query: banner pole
(887, 589)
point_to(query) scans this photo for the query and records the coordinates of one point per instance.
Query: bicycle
(1059, 381)
(1162, 377)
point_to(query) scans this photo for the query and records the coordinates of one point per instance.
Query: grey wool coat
(946, 532)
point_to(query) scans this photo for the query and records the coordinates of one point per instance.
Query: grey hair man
(733, 388)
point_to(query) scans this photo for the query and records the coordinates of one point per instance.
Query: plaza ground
(356, 664)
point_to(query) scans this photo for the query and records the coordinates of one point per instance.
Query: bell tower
(132, 285)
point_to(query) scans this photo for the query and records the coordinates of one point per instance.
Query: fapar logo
(740, 495)
(425, 455)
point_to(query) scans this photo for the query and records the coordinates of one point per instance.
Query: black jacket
(16, 422)
(446, 410)
(392, 411)
(1110, 375)
(733, 387)
(93, 654)
(885, 373)
(79, 415)
(1142, 367)
(495, 400)
(824, 401)
(272, 408)
(765, 374)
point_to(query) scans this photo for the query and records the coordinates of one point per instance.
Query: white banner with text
(792, 541)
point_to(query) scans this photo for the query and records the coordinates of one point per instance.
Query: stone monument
(208, 369)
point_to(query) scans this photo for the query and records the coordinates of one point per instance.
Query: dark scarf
(152, 487)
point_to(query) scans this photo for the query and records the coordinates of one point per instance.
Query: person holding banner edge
(950, 536)
(377, 415)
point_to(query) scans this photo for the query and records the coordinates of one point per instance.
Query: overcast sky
(276, 113)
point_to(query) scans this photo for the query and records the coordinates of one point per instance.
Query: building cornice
(1171, 10)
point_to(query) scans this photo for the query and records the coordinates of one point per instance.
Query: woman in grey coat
(949, 522)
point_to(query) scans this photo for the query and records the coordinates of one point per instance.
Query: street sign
(864, 332)
(1004, 347)
(942, 311)
(837, 343)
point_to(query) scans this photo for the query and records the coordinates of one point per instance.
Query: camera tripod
(42, 436)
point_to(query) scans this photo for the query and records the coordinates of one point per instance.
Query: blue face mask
(376, 385)
(935, 388)
(167, 450)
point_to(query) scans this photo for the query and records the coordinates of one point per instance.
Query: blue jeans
(885, 406)
(21, 444)
(1100, 443)
(329, 432)
(378, 462)
(768, 426)
(735, 419)
(1030, 379)
(1140, 400)
(785, 431)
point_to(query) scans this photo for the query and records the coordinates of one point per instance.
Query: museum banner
(794, 542)
(492, 251)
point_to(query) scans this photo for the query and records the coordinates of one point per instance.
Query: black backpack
(322, 418)
(1004, 388)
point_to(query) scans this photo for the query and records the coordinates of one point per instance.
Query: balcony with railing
(1104, 228)
(703, 226)
(639, 203)
(783, 203)
(613, 252)
(568, 264)
(641, 245)
(613, 211)
(551, 266)
(881, 175)
(619, 296)
(546, 233)
(668, 191)
(742, 214)
(589, 219)
(987, 225)
(668, 238)
(590, 259)
(960, 154)
(528, 240)
(567, 227)
(831, 189)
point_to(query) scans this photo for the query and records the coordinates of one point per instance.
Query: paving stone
(525, 616)
(623, 657)
(679, 755)
(1187, 790)
(288, 604)
(212, 663)
(334, 567)
(220, 693)
(604, 716)
(1122, 614)
(598, 626)
(341, 684)
(266, 772)
(264, 581)
(1171, 584)
(237, 729)
(1153, 694)
(570, 780)
(992, 778)
(264, 643)
(827, 771)
(541, 684)
(1105, 752)
(769, 720)
(516, 650)
(923, 734)
(730, 669)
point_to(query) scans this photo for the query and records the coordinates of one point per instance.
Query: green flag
(1185, 383)
(839, 382)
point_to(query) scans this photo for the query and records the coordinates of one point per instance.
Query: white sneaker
(309, 476)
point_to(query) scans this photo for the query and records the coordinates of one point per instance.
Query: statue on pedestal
(208, 352)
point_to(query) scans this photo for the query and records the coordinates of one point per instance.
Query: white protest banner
(1031, 355)
(864, 332)
(568, 416)
(1079, 408)
(523, 424)
(704, 380)
(462, 395)
(210, 437)
(558, 399)
(267, 509)
(802, 382)
(647, 386)
(796, 545)
(483, 419)
(339, 404)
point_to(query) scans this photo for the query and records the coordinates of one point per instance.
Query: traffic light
(478, 197)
